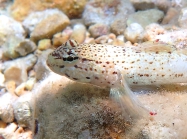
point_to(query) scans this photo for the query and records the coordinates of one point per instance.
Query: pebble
(2, 80)
(72, 8)
(2, 124)
(183, 18)
(171, 16)
(16, 47)
(44, 44)
(146, 17)
(134, 33)
(47, 27)
(98, 30)
(30, 83)
(24, 110)
(152, 30)
(79, 33)
(105, 12)
(6, 109)
(61, 38)
(16, 70)
(10, 27)
(20, 90)
(10, 86)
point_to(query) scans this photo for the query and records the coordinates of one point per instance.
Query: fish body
(101, 64)
(117, 67)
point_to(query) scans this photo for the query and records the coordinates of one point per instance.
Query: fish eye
(70, 58)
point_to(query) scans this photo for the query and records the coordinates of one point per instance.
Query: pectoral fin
(131, 107)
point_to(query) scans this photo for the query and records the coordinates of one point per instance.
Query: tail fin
(131, 107)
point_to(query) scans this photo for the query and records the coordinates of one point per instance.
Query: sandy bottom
(69, 110)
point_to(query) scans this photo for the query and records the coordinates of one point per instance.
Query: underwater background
(37, 103)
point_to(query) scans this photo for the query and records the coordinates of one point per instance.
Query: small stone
(24, 110)
(171, 16)
(2, 124)
(143, 4)
(10, 86)
(152, 30)
(6, 109)
(61, 38)
(79, 33)
(16, 70)
(183, 18)
(20, 90)
(9, 27)
(44, 44)
(2, 80)
(98, 30)
(134, 33)
(16, 47)
(30, 84)
(101, 40)
(105, 11)
(25, 47)
(11, 128)
(49, 26)
(146, 17)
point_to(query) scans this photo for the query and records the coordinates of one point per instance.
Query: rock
(72, 8)
(118, 26)
(146, 17)
(79, 33)
(41, 67)
(8, 28)
(97, 30)
(183, 18)
(47, 27)
(24, 110)
(10, 86)
(143, 4)
(99, 11)
(6, 109)
(2, 80)
(134, 33)
(2, 124)
(20, 90)
(16, 47)
(30, 83)
(44, 44)
(61, 38)
(16, 70)
(152, 30)
(171, 16)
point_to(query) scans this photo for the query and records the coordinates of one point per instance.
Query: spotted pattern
(105, 65)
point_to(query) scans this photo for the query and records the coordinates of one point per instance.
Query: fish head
(84, 63)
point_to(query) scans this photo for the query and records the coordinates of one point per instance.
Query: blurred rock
(10, 86)
(146, 17)
(152, 30)
(98, 29)
(16, 70)
(71, 8)
(134, 33)
(2, 80)
(16, 47)
(41, 67)
(105, 12)
(79, 33)
(183, 18)
(6, 109)
(24, 110)
(61, 38)
(50, 25)
(8, 28)
(44, 44)
(143, 4)
(171, 16)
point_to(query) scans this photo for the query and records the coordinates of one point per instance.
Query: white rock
(24, 110)
(134, 33)
(6, 109)
(17, 69)
(183, 18)
(9, 27)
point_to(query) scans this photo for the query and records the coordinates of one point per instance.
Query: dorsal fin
(156, 47)
(71, 44)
